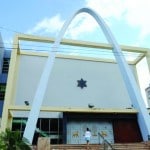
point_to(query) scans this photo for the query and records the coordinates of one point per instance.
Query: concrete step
(116, 146)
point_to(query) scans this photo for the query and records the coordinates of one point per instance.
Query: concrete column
(148, 60)
(43, 143)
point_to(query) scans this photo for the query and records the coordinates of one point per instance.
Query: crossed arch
(132, 88)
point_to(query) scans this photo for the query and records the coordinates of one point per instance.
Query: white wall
(105, 86)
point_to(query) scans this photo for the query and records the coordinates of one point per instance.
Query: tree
(12, 140)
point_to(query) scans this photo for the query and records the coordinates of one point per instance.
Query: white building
(82, 92)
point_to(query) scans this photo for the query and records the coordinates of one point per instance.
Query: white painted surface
(105, 86)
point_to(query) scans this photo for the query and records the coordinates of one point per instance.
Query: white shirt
(88, 134)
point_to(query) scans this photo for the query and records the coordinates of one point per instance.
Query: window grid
(2, 91)
(49, 126)
(5, 65)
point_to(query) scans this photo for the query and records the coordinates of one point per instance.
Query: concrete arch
(132, 88)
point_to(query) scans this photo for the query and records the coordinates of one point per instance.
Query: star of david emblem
(81, 83)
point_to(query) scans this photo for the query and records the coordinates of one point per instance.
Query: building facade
(82, 92)
(4, 67)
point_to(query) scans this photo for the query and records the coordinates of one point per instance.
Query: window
(2, 91)
(52, 127)
(45, 125)
(5, 65)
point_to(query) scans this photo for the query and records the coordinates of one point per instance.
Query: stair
(75, 147)
(116, 146)
(132, 146)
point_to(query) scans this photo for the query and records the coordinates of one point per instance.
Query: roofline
(70, 42)
(26, 37)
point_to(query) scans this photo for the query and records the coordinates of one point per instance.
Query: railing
(107, 145)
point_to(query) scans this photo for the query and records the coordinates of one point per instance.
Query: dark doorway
(126, 130)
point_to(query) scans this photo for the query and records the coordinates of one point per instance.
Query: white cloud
(134, 12)
(83, 23)
(107, 8)
(137, 15)
(48, 25)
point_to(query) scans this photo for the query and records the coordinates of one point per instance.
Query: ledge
(77, 110)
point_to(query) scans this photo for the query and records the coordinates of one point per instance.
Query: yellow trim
(72, 109)
(88, 44)
(80, 43)
(6, 119)
(139, 58)
(148, 60)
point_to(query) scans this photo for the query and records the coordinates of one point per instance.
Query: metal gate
(76, 130)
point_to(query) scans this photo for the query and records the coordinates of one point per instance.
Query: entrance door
(76, 130)
(126, 131)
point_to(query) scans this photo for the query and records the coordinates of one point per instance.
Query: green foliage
(11, 140)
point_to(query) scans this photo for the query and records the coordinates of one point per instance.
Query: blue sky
(128, 20)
